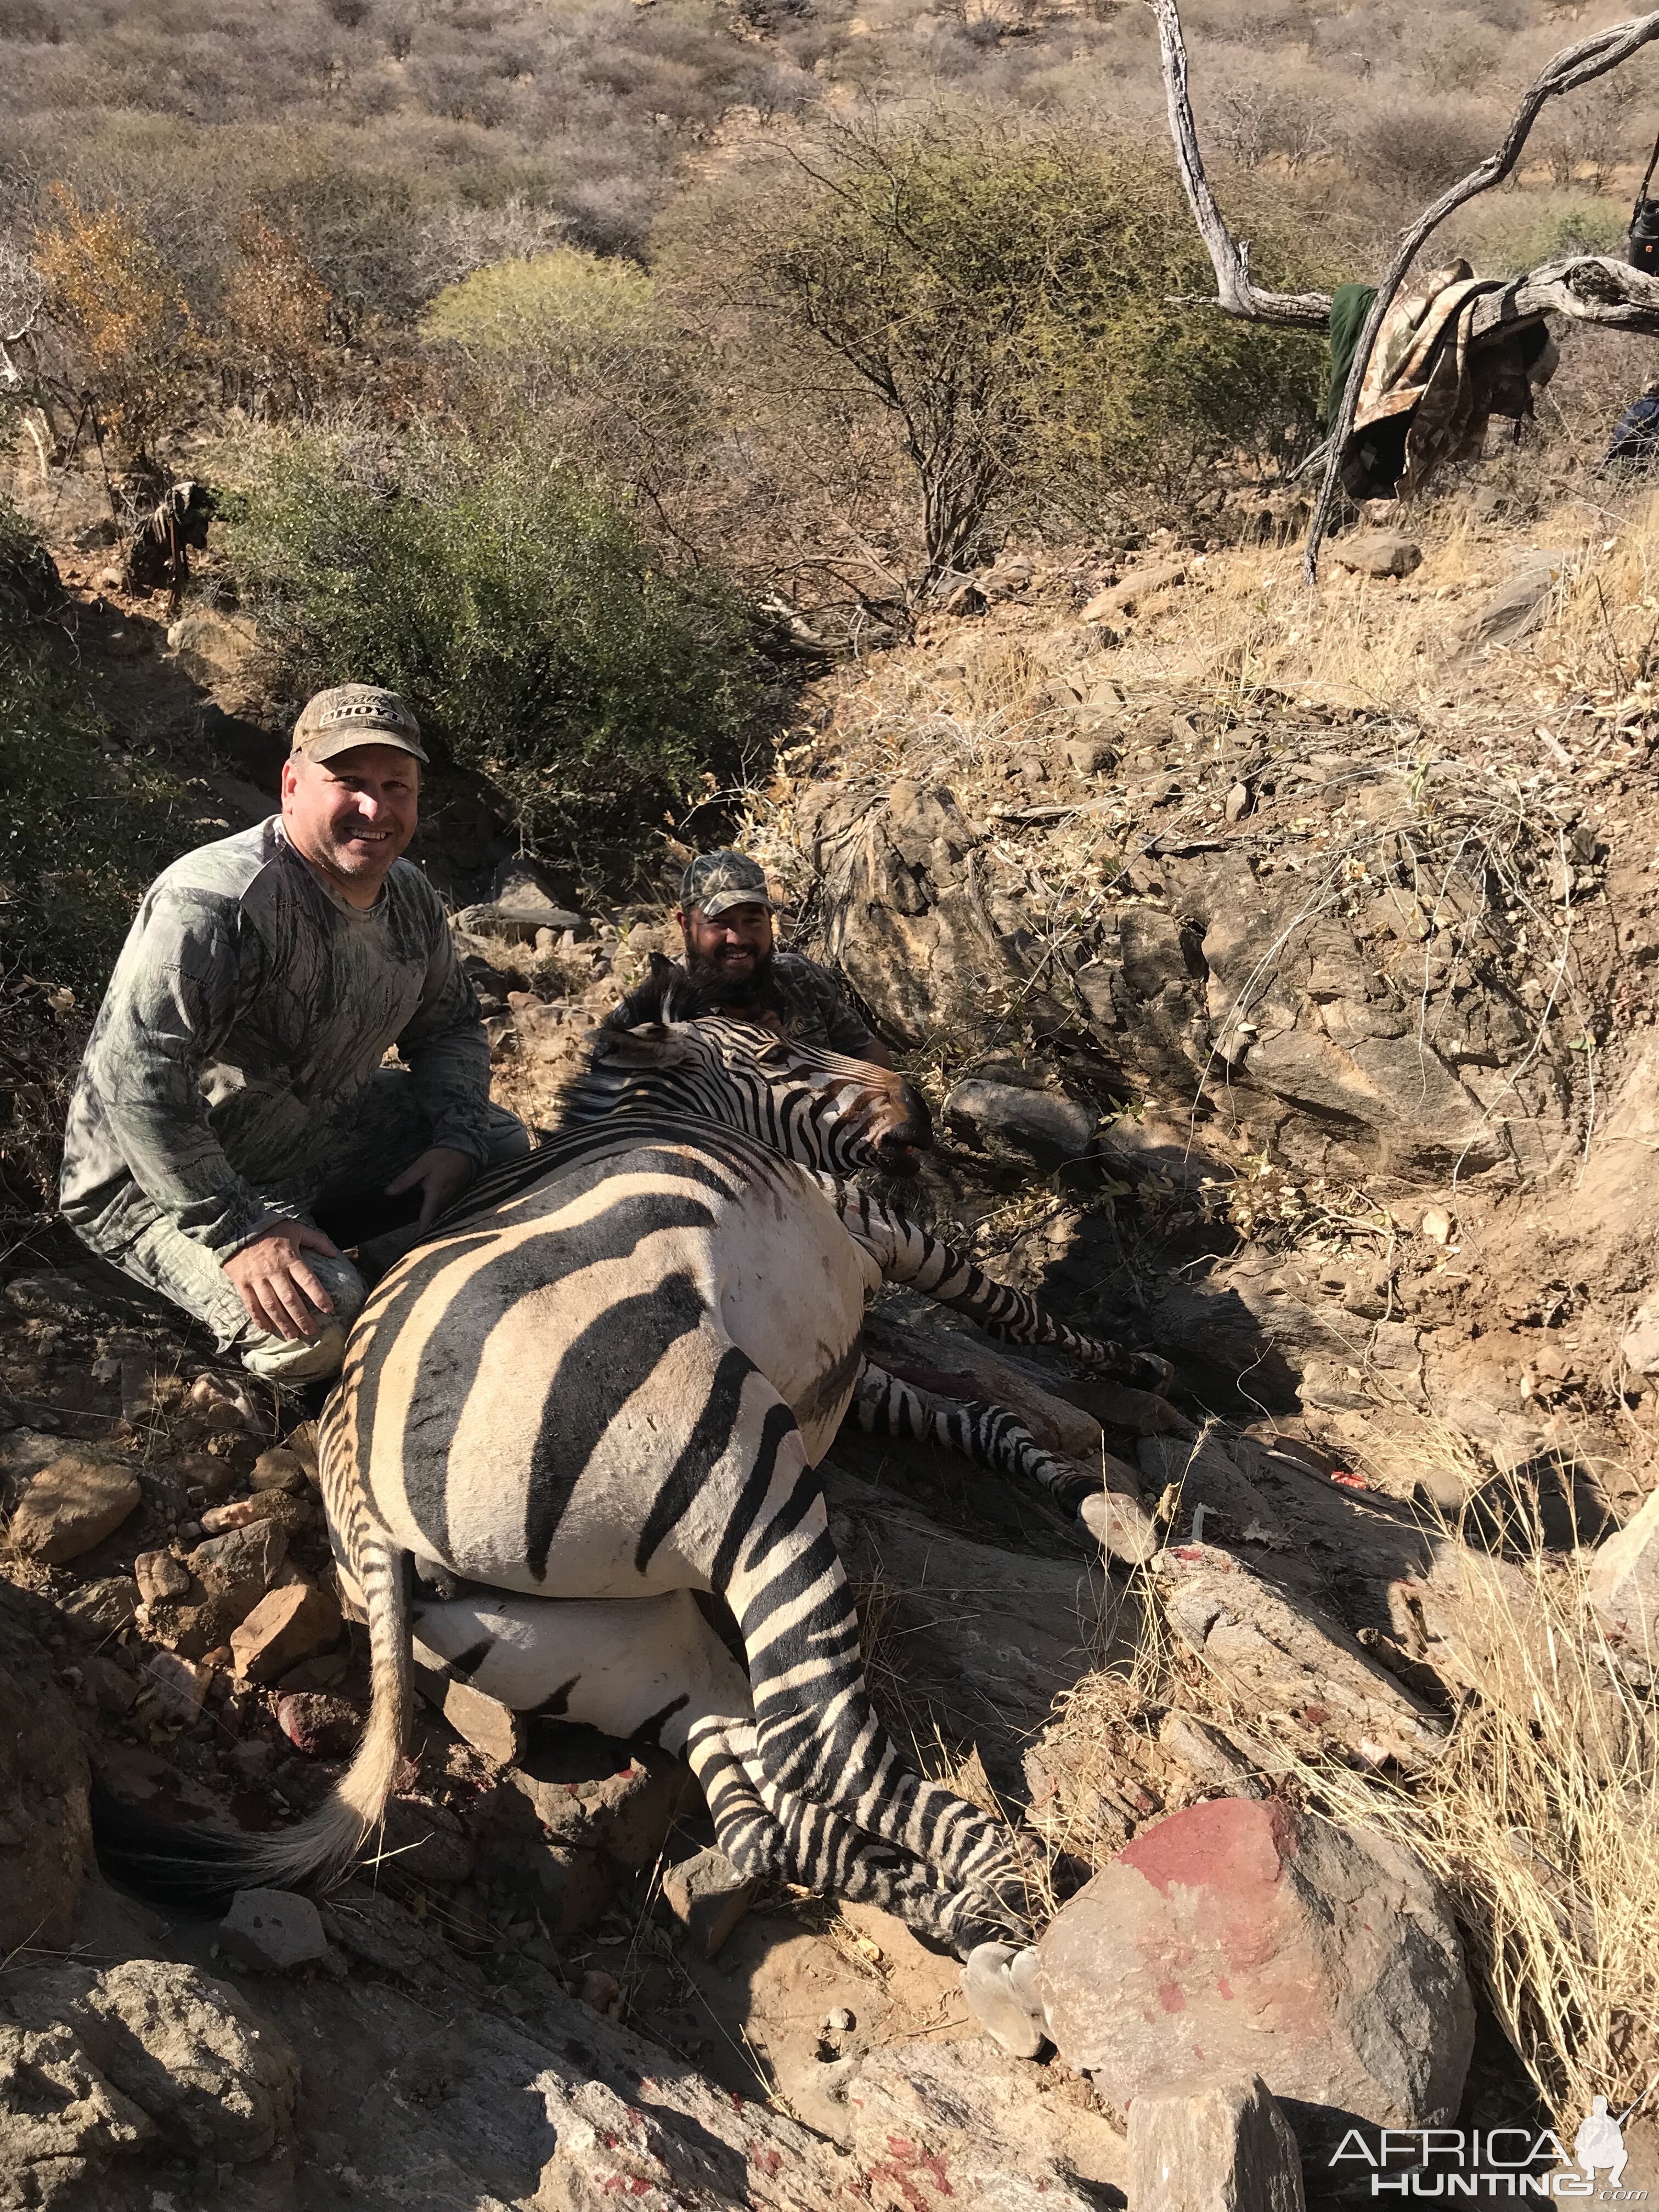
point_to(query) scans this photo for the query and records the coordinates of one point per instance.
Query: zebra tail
(159, 1860)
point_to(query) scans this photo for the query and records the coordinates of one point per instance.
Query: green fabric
(1350, 305)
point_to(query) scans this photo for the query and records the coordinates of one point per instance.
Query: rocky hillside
(1281, 972)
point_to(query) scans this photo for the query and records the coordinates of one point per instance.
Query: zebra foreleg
(906, 1254)
(990, 1435)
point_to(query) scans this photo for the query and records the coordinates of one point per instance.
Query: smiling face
(734, 947)
(352, 816)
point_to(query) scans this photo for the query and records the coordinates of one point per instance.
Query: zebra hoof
(1001, 1985)
(1153, 1373)
(1121, 1526)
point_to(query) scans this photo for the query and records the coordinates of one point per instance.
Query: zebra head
(816, 1107)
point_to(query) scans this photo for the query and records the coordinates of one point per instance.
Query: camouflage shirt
(809, 1005)
(248, 1010)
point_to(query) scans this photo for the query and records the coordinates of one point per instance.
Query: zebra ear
(651, 1045)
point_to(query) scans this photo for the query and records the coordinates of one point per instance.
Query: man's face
(352, 816)
(735, 947)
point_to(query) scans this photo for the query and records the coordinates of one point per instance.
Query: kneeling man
(232, 1096)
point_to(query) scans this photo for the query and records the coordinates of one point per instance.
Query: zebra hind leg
(817, 1734)
(769, 1833)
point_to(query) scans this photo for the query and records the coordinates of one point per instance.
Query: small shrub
(520, 612)
(129, 337)
(83, 828)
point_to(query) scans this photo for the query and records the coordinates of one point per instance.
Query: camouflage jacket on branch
(247, 1013)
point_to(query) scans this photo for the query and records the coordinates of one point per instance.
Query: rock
(287, 1625)
(322, 1727)
(1518, 605)
(426, 1841)
(71, 1506)
(1213, 2142)
(632, 1812)
(242, 1564)
(1624, 1579)
(488, 1725)
(1281, 1657)
(1046, 1124)
(181, 1685)
(1376, 553)
(1238, 802)
(47, 1296)
(302, 1443)
(215, 2078)
(273, 1930)
(518, 921)
(277, 1469)
(1124, 596)
(61, 2123)
(24, 1452)
(240, 1513)
(708, 1897)
(1091, 756)
(575, 1889)
(45, 1835)
(942, 2124)
(1121, 1406)
(1639, 1346)
(1436, 1225)
(104, 1607)
(1242, 1937)
(1210, 1755)
(160, 1576)
(109, 1685)
(603, 1992)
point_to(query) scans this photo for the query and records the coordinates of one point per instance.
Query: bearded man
(731, 966)
(232, 1103)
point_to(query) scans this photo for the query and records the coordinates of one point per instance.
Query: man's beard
(715, 991)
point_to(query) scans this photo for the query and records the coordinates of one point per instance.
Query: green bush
(1012, 300)
(523, 616)
(82, 829)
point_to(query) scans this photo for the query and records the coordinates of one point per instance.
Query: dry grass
(1542, 1820)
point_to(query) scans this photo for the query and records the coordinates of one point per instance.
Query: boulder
(242, 1564)
(1046, 1124)
(1241, 1938)
(1639, 1346)
(215, 2078)
(287, 1625)
(45, 1834)
(1126, 595)
(1376, 553)
(1624, 1579)
(61, 2123)
(707, 1896)
(103, 1607)
(273, 1930)
(160, 1576)
(71, 1506)
(1213, 2142)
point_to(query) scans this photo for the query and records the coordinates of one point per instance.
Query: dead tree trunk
(1592, 289)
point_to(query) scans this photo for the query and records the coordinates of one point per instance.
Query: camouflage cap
(717, 881)
(352, 715)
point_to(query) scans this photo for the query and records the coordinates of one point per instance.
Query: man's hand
(274, 1283)
(442, 1174)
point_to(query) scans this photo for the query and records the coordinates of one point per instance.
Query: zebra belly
(525, 1395)
(619, 1666)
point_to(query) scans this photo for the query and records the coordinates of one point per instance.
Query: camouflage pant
(391, 1133)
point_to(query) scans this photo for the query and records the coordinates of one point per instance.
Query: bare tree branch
(1229, 256)
(1564, 72)
(1589, 289)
